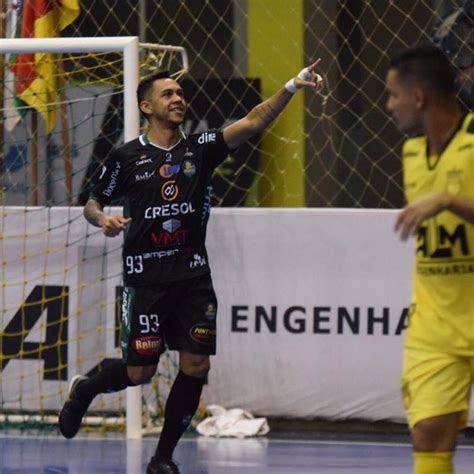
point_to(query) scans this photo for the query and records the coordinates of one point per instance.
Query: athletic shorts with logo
(177, 315)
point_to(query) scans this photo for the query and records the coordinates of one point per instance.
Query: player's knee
(437, 434)
(139, 375)
(195, 365)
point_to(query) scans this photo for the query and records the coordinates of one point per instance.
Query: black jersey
(167, 193)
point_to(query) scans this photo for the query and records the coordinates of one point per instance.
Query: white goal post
(129, 46)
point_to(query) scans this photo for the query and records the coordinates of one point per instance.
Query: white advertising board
(312, 308)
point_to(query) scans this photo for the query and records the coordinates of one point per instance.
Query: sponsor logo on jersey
(147, 345)
(167, 170)
(142, 160)
(188, 153)
(206, 208)
(197, 261)
(204, 333)
(438, 241)
(165, 238)
(169, 191)
(126, 305)
(159, 254)
(171, 225)
(189, 168)
(168, 210)
(206, 137)
(145, 176)
(113, 180)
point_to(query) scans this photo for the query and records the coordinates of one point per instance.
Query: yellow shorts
(435, 384)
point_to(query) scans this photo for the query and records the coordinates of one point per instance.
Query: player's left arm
(412, 216)
(264, 113)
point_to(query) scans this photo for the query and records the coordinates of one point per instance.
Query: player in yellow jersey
(438, 173)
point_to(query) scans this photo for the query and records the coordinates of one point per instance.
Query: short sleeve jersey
(167, 193)
(444, 263)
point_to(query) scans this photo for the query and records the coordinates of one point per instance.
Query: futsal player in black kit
(168, 301)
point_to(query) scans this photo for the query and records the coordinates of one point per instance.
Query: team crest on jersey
(167, 170)
(211, 312)
(189, 168)
(454, 179)
(169, 191)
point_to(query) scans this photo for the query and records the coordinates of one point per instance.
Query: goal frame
(129, 46)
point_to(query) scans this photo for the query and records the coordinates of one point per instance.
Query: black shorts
(178, 316)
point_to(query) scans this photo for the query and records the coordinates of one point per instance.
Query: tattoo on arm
(266, 114)
(267, 111)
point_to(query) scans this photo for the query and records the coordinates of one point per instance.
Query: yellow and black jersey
(443, 298)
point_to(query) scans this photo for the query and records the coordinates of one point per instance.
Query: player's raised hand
(113, 225)
(308, 77)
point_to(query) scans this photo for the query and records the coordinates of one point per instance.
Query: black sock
(112, 378)
(182, 403)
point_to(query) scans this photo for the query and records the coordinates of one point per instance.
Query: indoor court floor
(199, 455)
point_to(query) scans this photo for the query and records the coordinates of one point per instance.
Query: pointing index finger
(313, 66)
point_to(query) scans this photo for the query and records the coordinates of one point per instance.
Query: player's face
(402, 103)
(166, 102)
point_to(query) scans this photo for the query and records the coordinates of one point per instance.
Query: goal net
(59, 305)
(61, 279)
(336, 149)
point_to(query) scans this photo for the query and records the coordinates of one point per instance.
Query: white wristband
(290, 86)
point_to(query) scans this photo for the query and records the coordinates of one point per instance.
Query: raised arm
(267, 111)
(111, 225)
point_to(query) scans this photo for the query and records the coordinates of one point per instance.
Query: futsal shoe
(161, 466)
(73, 410)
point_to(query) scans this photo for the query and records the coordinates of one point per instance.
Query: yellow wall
(275, 54)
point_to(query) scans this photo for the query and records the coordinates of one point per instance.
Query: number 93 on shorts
(178, 316)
